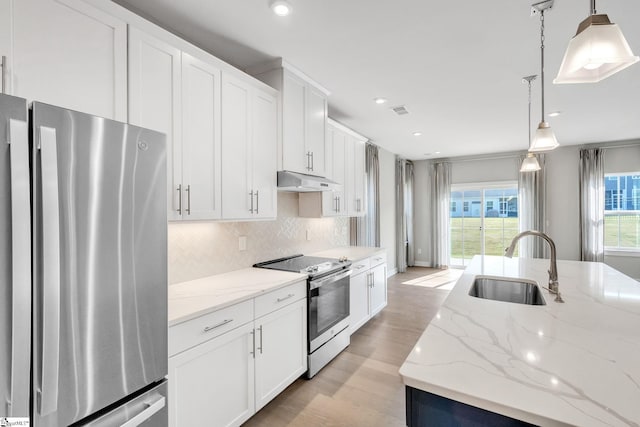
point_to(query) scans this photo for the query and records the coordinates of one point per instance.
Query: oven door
(328, 307)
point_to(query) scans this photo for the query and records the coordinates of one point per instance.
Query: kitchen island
(554, 365)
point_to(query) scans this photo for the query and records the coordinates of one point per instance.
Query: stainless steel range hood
(299, 182)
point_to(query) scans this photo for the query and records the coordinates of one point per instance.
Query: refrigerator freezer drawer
(147, 410)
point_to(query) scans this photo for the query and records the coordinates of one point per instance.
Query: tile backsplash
(200, 249)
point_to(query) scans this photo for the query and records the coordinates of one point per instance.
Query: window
(622, 211)
(453, 207)
(466, 206)
(489, 205)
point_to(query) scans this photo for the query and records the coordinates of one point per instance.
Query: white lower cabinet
(378, 289)
(212, 384)
(368, 290)
(281, 354)
(359, 300)
(224, 380)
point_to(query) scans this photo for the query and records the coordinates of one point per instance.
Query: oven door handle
(330, 279)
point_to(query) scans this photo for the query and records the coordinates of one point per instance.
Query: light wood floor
(362, 387)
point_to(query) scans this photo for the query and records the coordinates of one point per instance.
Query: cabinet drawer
(377, 259)
(193, 332)
(361, 266)
(279, 298)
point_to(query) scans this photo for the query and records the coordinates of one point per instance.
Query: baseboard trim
(392, 272)
(422, 264)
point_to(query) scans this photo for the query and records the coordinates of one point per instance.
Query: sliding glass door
(483, 220)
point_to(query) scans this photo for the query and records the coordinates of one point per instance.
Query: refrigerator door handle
(149, 411)
(18, 140)
(48, 387)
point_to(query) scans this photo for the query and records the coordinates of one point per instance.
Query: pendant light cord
(542, 60)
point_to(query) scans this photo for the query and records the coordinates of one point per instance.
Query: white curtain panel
(404, 214)
(591, 176)
(401, 224)
(408, 211)
(531, 209)
(441, 190)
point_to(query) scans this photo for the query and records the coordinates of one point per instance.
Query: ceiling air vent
(400, 110)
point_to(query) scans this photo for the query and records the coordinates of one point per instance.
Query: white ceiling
(457, 65)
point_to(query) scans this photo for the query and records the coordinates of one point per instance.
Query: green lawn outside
(620, 231)
(498, 235)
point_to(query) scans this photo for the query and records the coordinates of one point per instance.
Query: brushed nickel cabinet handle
(251, 196)
(211, 328)
(4, 68)
(189, 199)
(260, 348)
(179, 190)
(285, 298)
(257, 202)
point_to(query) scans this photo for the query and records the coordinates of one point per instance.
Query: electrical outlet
(419, 251)
(242, 243)
(308, 234)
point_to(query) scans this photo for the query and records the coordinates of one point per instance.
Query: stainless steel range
(327, 302)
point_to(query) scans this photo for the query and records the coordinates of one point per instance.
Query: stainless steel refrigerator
(83, 250)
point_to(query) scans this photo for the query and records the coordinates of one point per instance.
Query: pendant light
(597, 51)
(530, 163)
(544, 139)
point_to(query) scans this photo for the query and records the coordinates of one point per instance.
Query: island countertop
(576, 363)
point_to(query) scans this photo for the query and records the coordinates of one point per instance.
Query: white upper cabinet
(345, 155)
(355, 176)
(66, 53)
(201, 143)
(304, 118)
(175, 93)
(249, 143)
(334, 203)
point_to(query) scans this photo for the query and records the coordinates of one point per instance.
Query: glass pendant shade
(597, 51)
(530, 163)
(544, 139)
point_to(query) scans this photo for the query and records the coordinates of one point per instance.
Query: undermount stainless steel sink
(506, 289)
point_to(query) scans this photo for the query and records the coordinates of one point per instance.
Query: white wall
(388, 206)
(562, 196)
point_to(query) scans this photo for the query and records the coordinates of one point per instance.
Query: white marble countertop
(576, 363)
(188, 300)
(353, 253)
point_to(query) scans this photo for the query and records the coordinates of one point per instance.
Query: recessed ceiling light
(554, 113)
(281, 7)
(417, 133)
(379, 100)
(437, 152)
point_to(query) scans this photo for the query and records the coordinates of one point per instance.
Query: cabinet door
(155, 103)
(212, 384)
(316, 128)
(264, 149)
(359, 184)
(68, 53)
(378, 289)
(358, 301)
(237, 200)
(355, 177)
(6, 39)
(201, 162)
(281, 350)
(294, 156)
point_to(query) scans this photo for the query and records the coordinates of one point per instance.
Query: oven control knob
(310, 269)
(315, 268)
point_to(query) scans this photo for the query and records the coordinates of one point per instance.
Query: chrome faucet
(553, 268)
